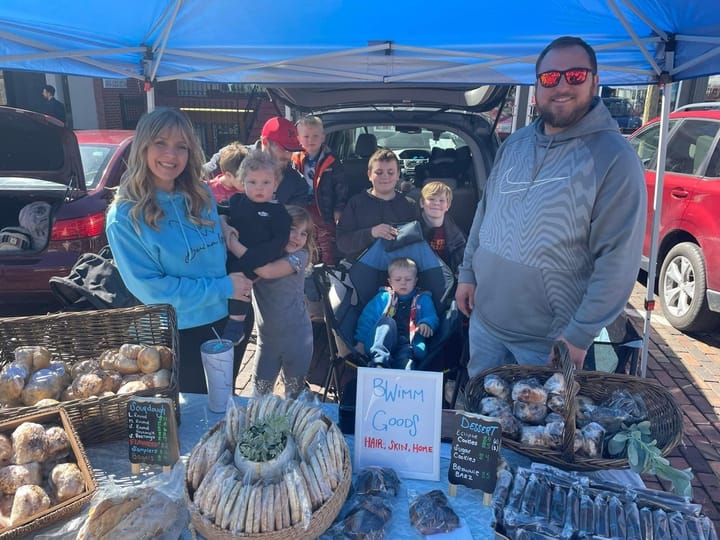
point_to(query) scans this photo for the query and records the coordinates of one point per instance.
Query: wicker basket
(62, 511)
(664, 415)
(76, 336)
(321, 519)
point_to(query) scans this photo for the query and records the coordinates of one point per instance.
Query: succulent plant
(264, 440)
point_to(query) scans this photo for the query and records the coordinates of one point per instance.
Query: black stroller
(346, 289)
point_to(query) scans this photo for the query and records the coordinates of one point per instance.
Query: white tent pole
(150, 94)
(657, 209)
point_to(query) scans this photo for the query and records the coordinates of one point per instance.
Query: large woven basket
(663, 413)
(321, 520)
(62, 511)
(76, 336)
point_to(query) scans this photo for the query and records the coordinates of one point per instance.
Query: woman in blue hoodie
(165, 236)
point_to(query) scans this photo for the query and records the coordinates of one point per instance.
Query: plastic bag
(156, 508)
(430, 513)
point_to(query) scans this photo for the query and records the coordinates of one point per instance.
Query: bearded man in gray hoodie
(555, 245)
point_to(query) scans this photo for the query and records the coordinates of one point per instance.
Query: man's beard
(564, 119)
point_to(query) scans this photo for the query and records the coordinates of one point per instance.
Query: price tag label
(152, 431)
(475, 452)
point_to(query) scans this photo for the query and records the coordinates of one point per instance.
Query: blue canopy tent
(339, 42)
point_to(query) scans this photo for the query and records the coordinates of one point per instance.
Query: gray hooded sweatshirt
(555, 244)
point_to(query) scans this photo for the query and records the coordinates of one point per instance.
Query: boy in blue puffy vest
(394, 325)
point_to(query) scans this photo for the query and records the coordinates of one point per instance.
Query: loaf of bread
(142, 514)
(66, 481)
(29, 500)
(58, 443)
(43, 384)
(6, 450)
(12, 382)
(14, 477)
(33, 356)
(30, 443)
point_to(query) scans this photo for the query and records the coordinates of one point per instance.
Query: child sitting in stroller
(394, 326)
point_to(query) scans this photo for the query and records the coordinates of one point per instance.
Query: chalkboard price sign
(475, 452)
(152, 431)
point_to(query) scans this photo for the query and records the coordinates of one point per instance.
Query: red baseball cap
(283, 132)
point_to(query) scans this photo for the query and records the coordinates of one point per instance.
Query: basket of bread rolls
(277, 469)
(44, 472)
(566, 418)
(89, 363)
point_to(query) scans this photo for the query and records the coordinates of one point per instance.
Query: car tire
(682, 289)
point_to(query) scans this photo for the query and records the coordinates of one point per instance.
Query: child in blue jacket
(394, 326)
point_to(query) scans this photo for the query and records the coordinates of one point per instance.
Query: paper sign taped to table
(397, 421)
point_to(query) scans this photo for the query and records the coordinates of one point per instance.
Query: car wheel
(682, 289)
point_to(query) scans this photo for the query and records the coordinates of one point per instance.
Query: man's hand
(575, 354)
(465, 298)
(360, 347)
(425, 330)
(388, 232)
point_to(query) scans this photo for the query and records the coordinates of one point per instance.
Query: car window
(713, 169)
(690, 145)
(646, 146)
(94, 160)
(425, 139)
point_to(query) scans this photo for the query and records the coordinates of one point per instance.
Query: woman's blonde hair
(137, 185)
(301, 217)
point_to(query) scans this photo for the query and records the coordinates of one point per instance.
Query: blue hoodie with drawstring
(180, 263)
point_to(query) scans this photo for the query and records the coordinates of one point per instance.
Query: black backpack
(94, 282)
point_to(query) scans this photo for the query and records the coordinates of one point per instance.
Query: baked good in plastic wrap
(155, 509)
(377, 481)
(430, 513)
(370, 508)
(591, 508)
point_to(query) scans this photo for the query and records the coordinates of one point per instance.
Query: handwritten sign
(152, 431)
(475, 452)
(397, 421)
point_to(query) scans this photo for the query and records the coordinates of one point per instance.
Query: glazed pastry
(510, 425)
(555, 384)
(534, 436)
(532, 413)
(493, 406)
(496, 386)
(593, 435)
(529, 391)
(556, 403)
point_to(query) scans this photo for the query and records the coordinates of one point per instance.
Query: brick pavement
(687, 365)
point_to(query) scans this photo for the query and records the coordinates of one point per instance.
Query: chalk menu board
(152, 431)
(475, 451)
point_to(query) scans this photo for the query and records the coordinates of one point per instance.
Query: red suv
(58, 179)
(689, 241)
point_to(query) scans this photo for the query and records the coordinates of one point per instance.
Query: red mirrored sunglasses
(573, 76)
